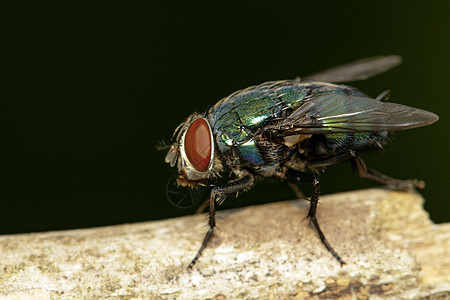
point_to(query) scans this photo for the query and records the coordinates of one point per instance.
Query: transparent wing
(330, 113)
(357, 70)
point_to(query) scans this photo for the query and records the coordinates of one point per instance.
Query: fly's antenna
(162, 145)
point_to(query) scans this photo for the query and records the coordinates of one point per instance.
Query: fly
(290, 130)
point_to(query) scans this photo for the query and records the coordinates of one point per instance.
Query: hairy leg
(399, 184)
(217, 195)
(299, 178)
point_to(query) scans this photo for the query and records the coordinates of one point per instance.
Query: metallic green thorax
(237, 119)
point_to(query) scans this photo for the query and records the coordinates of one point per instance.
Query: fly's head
(192, 151)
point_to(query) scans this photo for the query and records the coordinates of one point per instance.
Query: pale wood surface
(391, 248)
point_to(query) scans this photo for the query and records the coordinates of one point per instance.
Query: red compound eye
(197, 145)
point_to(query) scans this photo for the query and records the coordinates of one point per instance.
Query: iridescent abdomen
(327, 145)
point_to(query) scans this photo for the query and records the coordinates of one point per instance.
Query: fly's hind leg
(299, 178)
(368, 173)
(217, 195)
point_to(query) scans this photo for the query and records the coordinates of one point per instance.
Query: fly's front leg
(300, 177)
(217, 195)
(202, 207)
(211, 223)
(368, 173)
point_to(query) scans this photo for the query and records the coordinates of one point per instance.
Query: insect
(290, 130)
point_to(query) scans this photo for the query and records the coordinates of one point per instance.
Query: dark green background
(87, 91)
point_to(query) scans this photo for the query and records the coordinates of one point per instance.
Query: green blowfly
(290, 129)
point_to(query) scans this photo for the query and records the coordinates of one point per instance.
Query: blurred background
(88, 90)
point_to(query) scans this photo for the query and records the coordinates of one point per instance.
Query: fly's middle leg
(299, 178)
(399, 184)
(298, 192)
